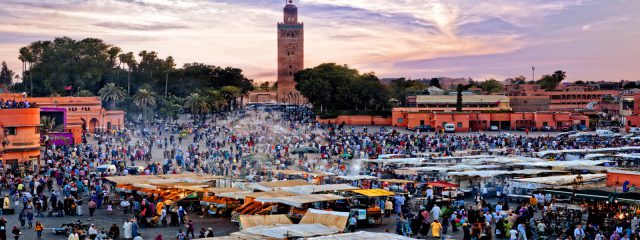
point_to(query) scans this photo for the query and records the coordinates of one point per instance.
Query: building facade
(20, 134)
(471, 102)
(481, 121)
(290, 54)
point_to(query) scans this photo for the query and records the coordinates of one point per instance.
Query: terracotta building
(469, 102)
(290, 54)
(474, 121)
(20, 134)
(564, 98)
(83, 114)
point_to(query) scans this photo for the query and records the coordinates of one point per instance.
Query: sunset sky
(590, 40)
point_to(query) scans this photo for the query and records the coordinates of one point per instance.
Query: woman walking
(39, 228)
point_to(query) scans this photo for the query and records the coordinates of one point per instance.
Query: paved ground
(221, 226)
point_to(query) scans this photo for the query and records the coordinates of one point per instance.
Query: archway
(93, 124)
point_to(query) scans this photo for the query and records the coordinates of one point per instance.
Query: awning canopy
(400, 181)
(309, 189)
(246, 194)
(298, 201)
(442, 184)
(356, 177)
(374, 192)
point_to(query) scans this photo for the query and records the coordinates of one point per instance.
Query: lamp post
(533, 73)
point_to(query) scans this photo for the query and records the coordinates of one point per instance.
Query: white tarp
(573, 163)
(362, 236)
(356, 177)
(493, 173)
(298, 201)
(588, 151)
(309, 189)
(412, 161)
(292, 231)
(562, 180)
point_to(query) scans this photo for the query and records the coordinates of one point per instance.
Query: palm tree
(85, 93)
(144, 99)
(111, 93)
(216, 100)
(231, 93)
(130, 60)
(197, 104)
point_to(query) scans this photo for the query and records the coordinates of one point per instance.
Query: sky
(590, 40)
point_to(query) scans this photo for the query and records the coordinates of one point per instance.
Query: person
(181, 235)
(126, 230)
(181, 213)
(16, 232)
(435, 212)
(22, 218)
(578, 233)
(190, 229)
(30, 218)
(39, 228)
(210, 233)
(352, 223)
(92, 207)
(102, 236)
(466, 232)
(114, 232)
(159, 237)
(522, 232)
(388, 207)
(513, 234)
(139, 237)
(436, 228)
(93, 232)
(3, 229)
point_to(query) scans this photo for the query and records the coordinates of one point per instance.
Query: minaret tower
(290, 54)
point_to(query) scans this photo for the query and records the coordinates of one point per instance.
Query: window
(10, 131)
(38, 129)
(421, 122)
(459, 124)
(545, 124)
(400, 120)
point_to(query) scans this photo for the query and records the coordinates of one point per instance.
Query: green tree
(459, 98)
(197, 104)
(169, 108)
(112, 93)
(491, 86)
(435, 82)
(550, 82)
(129, 60)
(85, 93)
(331, 87)
(6, 75)
(230, 93)
(144, 99)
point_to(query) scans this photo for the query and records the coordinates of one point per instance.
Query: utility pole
(533, 73)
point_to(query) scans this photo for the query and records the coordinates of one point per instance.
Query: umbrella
(345, 155)
(259, 157)
(302, 150)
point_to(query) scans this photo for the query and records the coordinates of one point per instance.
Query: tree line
(140, 82)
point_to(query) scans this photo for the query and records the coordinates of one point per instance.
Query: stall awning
(442, 184)
(400, 181)
(374, 192)
(298, 201)
(250, 221)
(309, 189)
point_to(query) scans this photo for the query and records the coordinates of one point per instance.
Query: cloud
(415, 38)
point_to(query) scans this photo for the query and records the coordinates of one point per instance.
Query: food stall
(367, 204)
(298, 205)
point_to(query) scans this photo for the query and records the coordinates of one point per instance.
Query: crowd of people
(227, 146)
